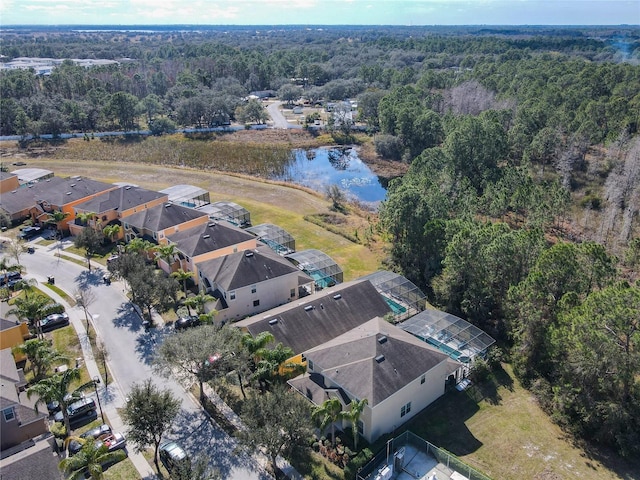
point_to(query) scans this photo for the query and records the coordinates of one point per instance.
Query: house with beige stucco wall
(397, 373)
(253, 281)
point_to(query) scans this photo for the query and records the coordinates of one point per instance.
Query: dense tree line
(199, 78)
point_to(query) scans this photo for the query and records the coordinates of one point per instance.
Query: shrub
(389, 146)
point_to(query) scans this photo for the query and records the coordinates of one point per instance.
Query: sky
(319, 12)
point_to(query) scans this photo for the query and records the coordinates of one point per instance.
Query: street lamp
(96, 381)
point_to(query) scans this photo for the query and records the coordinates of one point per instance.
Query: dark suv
(77, 410)
(30, 232)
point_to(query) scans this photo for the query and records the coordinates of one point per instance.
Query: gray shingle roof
(245, 268)
(56, 191)
(320, 317)
(209, 237)
(375, 360)
(121, 199)
(164, 216)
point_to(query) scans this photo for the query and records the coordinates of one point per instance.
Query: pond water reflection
(321, 167)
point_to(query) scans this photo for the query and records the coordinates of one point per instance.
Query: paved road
(130, 350)
(279, 120)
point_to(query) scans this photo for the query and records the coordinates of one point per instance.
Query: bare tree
(102, 356)
(84, 298)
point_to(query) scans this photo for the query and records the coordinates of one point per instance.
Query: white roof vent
(206, 236)
(273, 321)
(308, 308)
(248, 254)
(337, 296)
(380, 358)
(382, 339)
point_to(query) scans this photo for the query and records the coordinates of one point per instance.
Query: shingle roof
(6, 324)
(56, 191)
(160, 217)
(375, 360)
(209, 237)
(121, 199)
(320, 317)
(245, 268)
(36, 462)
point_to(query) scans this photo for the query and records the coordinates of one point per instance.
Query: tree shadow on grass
(489, 388)
(443, 423)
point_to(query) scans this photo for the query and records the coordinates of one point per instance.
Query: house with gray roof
(208, 240)
(38, 199)
(251, 281)
(398, 374)
(113, 206)
(20, 422)
(319, 318)
(158, 222)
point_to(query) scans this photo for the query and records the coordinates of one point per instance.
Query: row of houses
(373, 337)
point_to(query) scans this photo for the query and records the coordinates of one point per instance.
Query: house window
(293, 292)
(9, 414)
(405, 409)
(256, 303)
(232, 295)
(310, 365)
(254, 289)
(423, 378)
(360, 427)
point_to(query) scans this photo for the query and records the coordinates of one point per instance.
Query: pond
(319, 168)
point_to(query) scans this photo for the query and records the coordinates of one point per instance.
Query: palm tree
(31, 308)
(90, 459)
(166, 252)
(139, 245)
(182, 276)
(110, 231)
(54, 218)
(254, 345)
(84, 217)
(328, 413)
(198, 301)
(56, 388)
(41, 356)
(353, 415)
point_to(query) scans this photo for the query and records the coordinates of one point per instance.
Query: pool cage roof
(319, 266)
(229, 211)
(187, 195)
(399, 292)
(454, 336)
(276, 238)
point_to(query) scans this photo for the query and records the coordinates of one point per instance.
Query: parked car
(174, 458)
(77, 409)
(186, 322)
(113, 441)
(75, 444)
(97, 431)
(53, 321)
(83, 419)
(7, 277)
(30, 232)
(54, 406)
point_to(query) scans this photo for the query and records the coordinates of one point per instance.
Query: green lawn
(500, 430)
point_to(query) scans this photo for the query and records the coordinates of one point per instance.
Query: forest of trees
(515, 138)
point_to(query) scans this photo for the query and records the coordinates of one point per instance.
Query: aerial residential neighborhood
(348, 240)
(344, 335)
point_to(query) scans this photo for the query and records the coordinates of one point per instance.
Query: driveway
(130, 351)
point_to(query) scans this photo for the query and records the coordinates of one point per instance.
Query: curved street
(130, 350)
